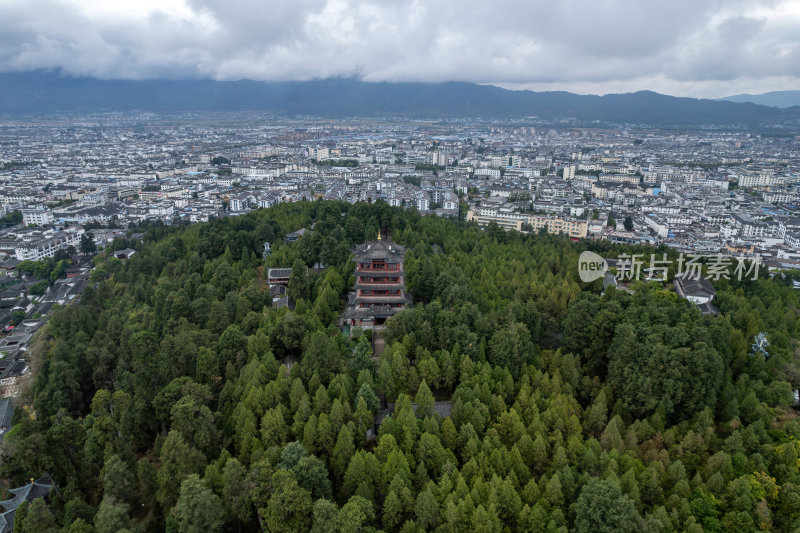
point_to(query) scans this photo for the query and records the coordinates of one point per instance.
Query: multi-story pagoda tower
(380, 290)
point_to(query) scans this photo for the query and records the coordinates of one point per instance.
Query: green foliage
(49, 268)
(17, 316)
(628, 223)
(362, 356)
(8, 165)
(197, 509)
(349, 163)
(428, 166)
(326, 517)
(173, 397)
(602, 507)
(112, 516)
(178, 460)
(289, 507)
(39, 518)
(118, 481)
(11, 219)
(20, 515)
(87, 244)
(39, 288)
(355, 515)
(413, 180)
(370, 399)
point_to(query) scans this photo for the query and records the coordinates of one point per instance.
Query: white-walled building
(38, 215)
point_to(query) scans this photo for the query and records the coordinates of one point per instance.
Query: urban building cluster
(702, 191)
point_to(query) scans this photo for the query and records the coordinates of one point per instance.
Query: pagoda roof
(379, 286)
(380, 249)
(379, 273)
(31, 491)
(26, 493)
(279, 272)
(389, 298)
(371, 312)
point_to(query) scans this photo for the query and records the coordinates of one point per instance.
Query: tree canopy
(511, 396)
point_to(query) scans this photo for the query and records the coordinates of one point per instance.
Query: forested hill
(161, 404)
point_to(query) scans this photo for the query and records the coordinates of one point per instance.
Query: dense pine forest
(161, 402)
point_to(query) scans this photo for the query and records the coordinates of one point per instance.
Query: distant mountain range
(774, 98)
(49, 92)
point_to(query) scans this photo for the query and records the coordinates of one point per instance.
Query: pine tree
(197, 509)
(342, 452)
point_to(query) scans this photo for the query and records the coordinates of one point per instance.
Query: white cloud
(696, 47)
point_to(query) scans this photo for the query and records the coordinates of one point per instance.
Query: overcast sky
(704, 48)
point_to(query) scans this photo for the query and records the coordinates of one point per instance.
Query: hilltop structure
(697, 290)
(26, 493)
(379, 292)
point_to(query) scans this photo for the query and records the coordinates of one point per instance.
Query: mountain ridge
(50, 92)
(782, 99)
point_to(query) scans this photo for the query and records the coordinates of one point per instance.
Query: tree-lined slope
(161, 402)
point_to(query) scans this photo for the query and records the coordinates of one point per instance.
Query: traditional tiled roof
(380, 249)
(36, 489)
(15, 368)
(395, 285)
(293, 236)
(380, 273)
(689, 286)
(393, 298)
(274, 273)
(127, 252)
(371, 312)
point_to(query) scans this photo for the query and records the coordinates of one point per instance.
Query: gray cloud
(703, 47)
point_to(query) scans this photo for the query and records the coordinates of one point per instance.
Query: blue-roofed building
(26, 493)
